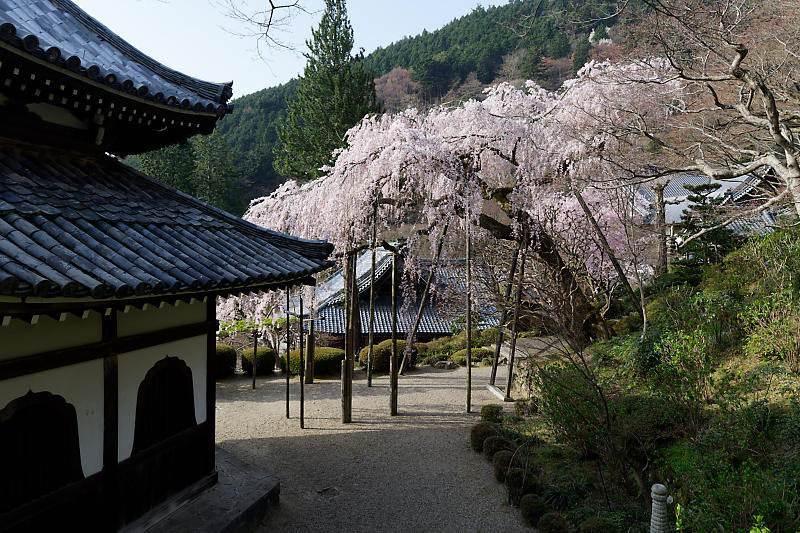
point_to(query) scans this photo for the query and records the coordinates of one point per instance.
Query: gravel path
(414, 472)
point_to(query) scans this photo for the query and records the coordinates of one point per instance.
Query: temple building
(108, 278)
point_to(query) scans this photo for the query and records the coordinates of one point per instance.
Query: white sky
(195, 37)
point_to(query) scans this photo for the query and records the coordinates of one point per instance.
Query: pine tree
(336, 91)
(581, 54)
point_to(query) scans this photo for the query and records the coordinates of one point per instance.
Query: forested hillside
(454, 62)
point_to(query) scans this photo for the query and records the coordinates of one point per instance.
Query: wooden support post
(302, 365)
(469, 318)
(423, 302)
(288, 344)
(504, 314)
(255, 354)
(393, 360)
(372, 299)
(349, 356)
(514, 324)
(310, 349)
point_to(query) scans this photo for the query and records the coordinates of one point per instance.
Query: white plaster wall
(21, 338)
(82, 386)
(133, 367)
(137, 321)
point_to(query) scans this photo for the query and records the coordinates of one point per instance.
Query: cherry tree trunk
(504, 313)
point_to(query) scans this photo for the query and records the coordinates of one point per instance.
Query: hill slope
(451, 63)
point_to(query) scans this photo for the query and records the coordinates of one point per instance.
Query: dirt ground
(413, 472)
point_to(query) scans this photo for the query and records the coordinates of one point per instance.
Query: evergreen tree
(334, 94)
(202, 167)
(712, 246)
(581, 54)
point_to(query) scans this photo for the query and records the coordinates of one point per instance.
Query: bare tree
(265, 21)
(740, 61)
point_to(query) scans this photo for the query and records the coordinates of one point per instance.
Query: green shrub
(480, 432)
(492, 412)
(265, 362)
(597, 525)
(492, 445)
(628, 324)
(773, 327)
(525, 407)
(532, 507)
(520, 482)
(553, 522)
(486, 361)
(382, 353)
(224, 361)
(500, 463)
(489, 337)
(327, 361)
(460, 357)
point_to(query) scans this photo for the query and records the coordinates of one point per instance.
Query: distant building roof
(431, 322)
(85, 225)
(60, 32)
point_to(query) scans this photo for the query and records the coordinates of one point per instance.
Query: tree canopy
(334, 93)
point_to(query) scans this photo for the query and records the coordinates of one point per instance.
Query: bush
(486, 361)
(597, 525)
(525, 407)
(489, 337)
(480, 432)
(265, 361)
(500, 462)
(773, 326)
(224, 361)
(553, 522)
(492, 412)
(460, 357)
(327, 361)
(492, 445)
(520, 482)
(382, 353)
(533, 508)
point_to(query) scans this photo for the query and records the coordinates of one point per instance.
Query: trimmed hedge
(480, 432)
(327, 361)
(492, 412)
(519, 483)
(553, 522)
(460, 357)
(492, 445)
(265, 361)
(381, 353)
(533, 508)
(224, 361)
(500, 462)
(597, 525)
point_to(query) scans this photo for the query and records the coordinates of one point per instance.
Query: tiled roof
(431, 322)
(78, 225)
(60, 32)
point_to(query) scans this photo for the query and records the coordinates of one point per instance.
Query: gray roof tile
(95, 227)
(62, 25)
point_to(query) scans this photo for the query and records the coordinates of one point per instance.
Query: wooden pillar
(504, 313)
(211, 384)
(255, 354)
(310, 349)
(393, 360)
(349, 356)
(302, 365)
(372, 301)
(469, 318)
(514, 324)
(423, 301)
(288, 348)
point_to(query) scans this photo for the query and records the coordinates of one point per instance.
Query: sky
(197, 38)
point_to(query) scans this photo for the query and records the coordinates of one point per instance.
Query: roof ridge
(218, 92)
